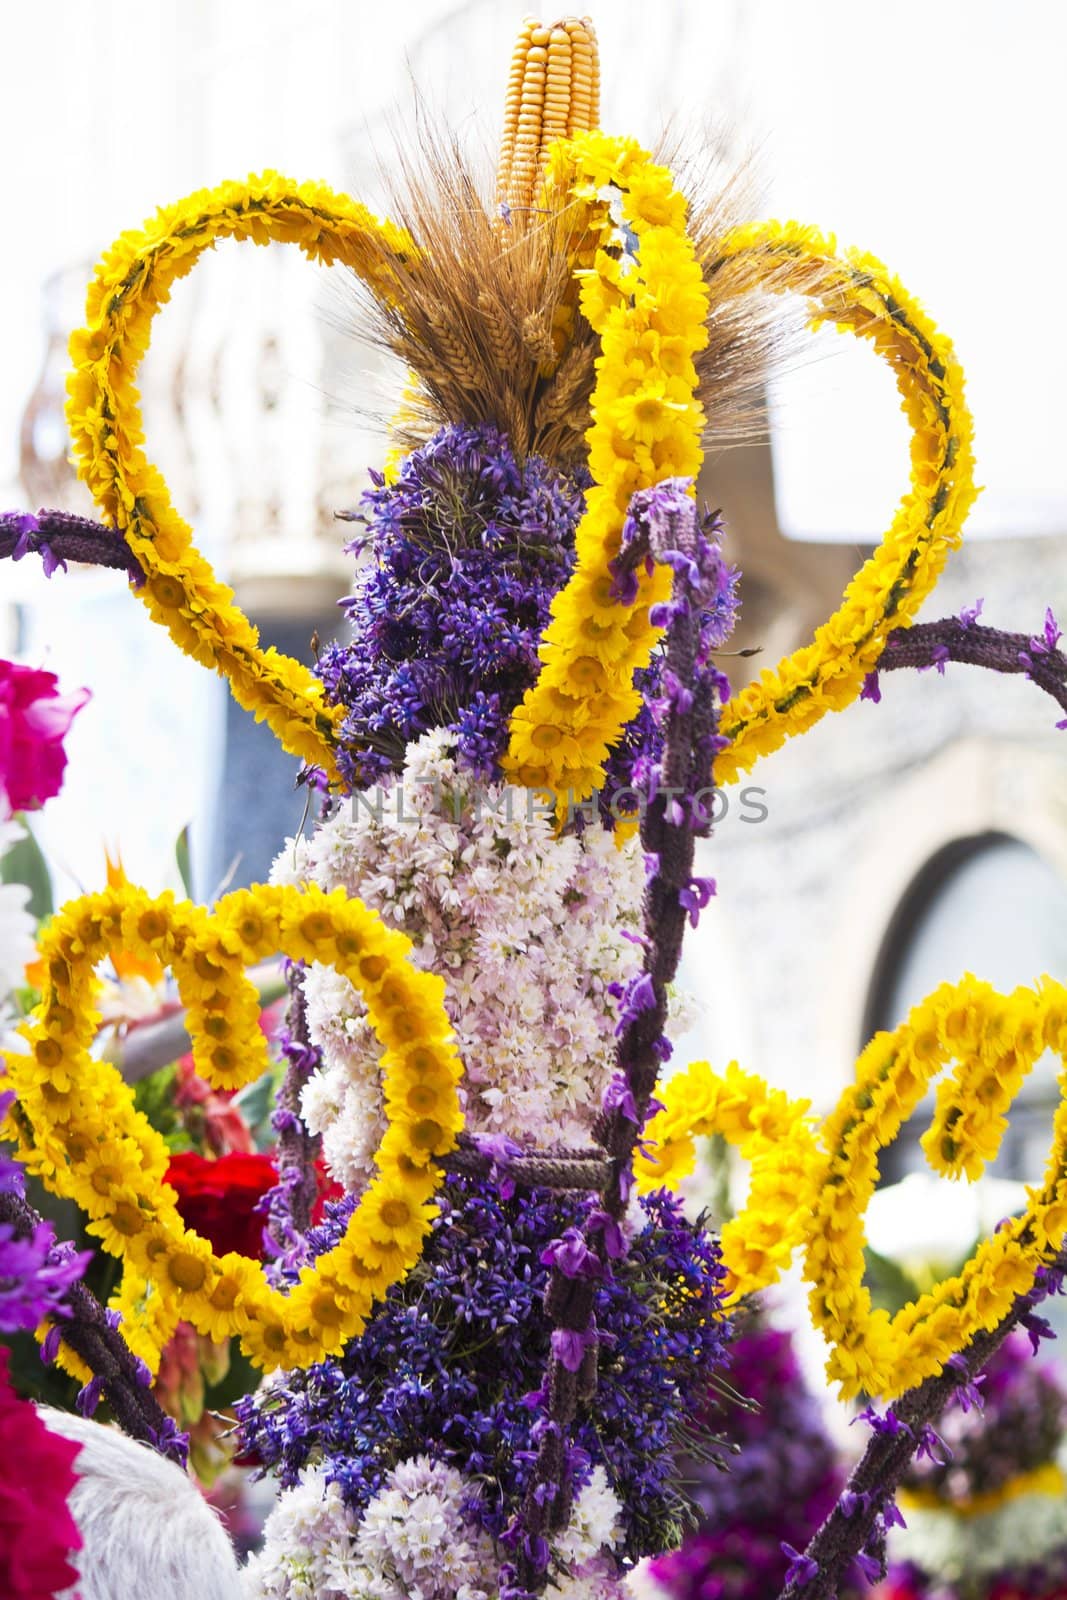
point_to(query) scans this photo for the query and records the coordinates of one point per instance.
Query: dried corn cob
(553, 93)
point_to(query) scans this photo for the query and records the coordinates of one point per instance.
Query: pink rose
(34, 720)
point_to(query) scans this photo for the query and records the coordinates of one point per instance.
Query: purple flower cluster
(452, 1362)
(781, 1484)
(35, 1272)
(466, 551)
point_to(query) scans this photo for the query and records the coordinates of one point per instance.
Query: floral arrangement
(482, 1371)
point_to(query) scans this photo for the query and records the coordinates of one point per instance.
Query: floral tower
(481, 1367)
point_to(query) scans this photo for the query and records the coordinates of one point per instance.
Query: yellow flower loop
(646, 426)
(819, 1199)
(131, 283)
(771, 1131)
(856, 293)
(80, 1132)
(995, 1040)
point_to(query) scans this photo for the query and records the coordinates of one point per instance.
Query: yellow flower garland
(131, 283)
(646, 425)
(799, 1196)
(857, 293)
(770, 1131)
(996, 1039)
(79, 1130)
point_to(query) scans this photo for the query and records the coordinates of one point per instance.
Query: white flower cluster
(417, 1540)
(527, 929)
(307, 1540)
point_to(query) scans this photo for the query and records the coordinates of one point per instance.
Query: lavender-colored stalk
(962, 638)
(60, 536)
(856, 1527)
(662, 527)
(289, 1205)
(93, 1334)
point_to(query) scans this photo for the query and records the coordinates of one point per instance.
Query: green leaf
(890, 1286)
(154, 1096)
(181, 856)
(24, 863)
(255, 1103)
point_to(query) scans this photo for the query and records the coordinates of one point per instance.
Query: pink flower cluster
(34, 720)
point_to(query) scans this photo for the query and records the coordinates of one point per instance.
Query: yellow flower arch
(80, 1132)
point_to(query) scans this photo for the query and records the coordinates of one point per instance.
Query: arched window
(988, 905)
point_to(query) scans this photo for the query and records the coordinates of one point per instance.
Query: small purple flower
(569, 1346)
(171, 1442)
(695, 896)
(601, 1222)
(970, 614)
(24, 525)
(969, 1396)
(1047, 641)
(802, 1569)
(939, 657)
(890, 1423)
(1037, 1328)
(932, 1447)
(872, 1567)
(853, 1505)
(49, 560)
(871, 688)
(618, 1096)
(891, 1513)
(572, 1256)
(88, 1397)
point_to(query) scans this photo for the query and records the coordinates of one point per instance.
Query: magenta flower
(34, 720)
(38, 1534)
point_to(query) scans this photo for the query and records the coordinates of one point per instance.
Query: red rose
(34, 721)
(217, 1197)
(37, 1531)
